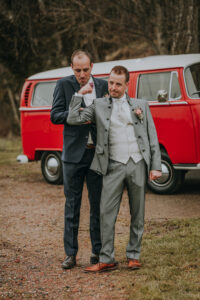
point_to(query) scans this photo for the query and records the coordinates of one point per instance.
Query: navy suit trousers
(74, 176)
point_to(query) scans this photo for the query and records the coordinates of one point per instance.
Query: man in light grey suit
(127, 153)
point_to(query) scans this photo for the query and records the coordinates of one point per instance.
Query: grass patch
(10, 168)
(9, 150)
(171, 262)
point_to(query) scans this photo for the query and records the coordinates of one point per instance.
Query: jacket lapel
(75, 84)
(133, 106)
(76, 87)
(97, 87)
(138, 127)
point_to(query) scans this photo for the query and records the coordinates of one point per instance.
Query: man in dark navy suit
(78, 151)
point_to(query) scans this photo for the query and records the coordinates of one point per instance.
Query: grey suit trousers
(133, 176)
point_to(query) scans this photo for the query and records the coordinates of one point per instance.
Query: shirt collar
(91, 80)
(122, 99)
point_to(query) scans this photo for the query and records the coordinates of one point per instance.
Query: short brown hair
(80, 52)
(121, 70)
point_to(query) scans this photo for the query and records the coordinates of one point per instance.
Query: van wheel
(171, 179)
(51, 166)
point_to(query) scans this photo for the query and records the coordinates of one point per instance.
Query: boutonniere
(139, 113)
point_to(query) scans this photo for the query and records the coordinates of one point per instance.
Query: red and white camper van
(170, 84)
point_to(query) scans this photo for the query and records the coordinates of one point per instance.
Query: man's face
(82, 68)
(117, 85)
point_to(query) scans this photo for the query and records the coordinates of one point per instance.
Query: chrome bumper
(187, 166)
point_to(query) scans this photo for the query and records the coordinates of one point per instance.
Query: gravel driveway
(31, 220)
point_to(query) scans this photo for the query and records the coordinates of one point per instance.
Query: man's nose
(82, 73)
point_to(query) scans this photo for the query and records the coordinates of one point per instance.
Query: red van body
(170, 84)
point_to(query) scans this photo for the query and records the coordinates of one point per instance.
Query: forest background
(40, 35)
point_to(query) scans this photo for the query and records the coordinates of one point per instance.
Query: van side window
(43, 93)
(192, 79)
(150, 84)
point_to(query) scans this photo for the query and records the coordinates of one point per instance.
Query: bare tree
(39, 35)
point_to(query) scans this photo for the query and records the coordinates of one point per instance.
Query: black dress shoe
(69, 262)
(94, 259)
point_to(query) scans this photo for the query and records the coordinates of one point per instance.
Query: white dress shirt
(88, 99)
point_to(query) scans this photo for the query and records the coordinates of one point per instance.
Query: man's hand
(154, 174)
(86, 89)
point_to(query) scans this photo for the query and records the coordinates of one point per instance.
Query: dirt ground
(31, 244)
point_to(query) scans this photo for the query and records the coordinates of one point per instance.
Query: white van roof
(139, 64)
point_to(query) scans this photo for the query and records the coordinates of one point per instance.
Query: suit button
(139, 137)
(106, 130)
(107, 119)
(136, 123)
(109, 106)
(105, 144)
(143, 150)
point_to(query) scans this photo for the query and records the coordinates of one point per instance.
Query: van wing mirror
(162, 96)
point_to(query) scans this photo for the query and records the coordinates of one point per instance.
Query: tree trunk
(160, 35)
(192, 28)
(13, 106)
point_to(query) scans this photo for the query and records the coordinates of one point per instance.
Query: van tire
(51, 166)
(171, 180)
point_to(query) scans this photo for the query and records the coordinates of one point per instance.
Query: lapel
(133, 106)
(75, 84)
(76, 87)
(138, 126)
(97, 87)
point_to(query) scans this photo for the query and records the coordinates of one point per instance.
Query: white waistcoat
(122, 140)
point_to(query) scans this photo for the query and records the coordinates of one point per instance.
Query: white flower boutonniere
(139, 113)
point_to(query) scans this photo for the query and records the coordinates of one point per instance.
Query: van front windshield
(192, 78)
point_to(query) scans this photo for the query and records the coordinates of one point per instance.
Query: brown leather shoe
(134, 264)
(101, 267)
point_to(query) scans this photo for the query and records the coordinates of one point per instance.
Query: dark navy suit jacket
(74, 137)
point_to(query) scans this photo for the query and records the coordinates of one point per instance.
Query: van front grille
(26, 94)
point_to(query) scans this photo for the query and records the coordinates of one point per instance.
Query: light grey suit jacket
(100, 113)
